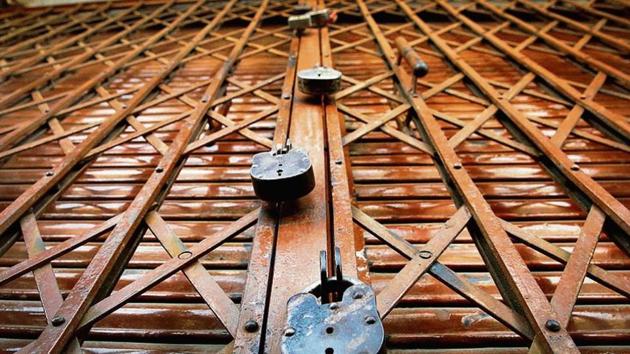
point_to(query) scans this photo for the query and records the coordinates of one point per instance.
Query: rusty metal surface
(488, 210)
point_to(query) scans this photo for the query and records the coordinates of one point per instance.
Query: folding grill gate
(486, 203)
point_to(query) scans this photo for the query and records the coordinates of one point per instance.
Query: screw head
(251, 326)
(357, 295)
(49, 173)
(286, 96)
(58, 321)
(184, 255)
(289, 332)
(553, 325)
(575, 167)
(457, 165)
(334, 306)
(425, 254)
(370, 320)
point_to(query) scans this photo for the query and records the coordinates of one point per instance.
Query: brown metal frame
(327, 217)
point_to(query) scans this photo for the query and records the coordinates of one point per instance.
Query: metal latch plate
(351, 325)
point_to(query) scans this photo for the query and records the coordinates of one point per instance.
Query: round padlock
(278, 175)
(320, 80)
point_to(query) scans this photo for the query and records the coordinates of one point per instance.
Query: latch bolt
(418, 66)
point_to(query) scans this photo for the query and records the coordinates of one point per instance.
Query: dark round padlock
(320, 80)
(282, 174)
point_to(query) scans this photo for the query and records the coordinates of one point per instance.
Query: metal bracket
(316, 19)
(336, 316)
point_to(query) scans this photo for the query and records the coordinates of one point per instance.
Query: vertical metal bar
(57, 30)
(22, 64)
(615, 121)
(566, 293)
(261, 264)
(599, 196)
(591, 10)
(620, 76)
(10, 214)
(306, 217)
(54, 339)
(222, 306)
(613, 42)
(342, 227)
(523, 288)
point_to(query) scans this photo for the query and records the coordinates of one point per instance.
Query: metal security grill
(486, 203)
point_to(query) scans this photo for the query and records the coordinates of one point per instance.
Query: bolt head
(425, 254)
(184, 255)
(553, 325)
(58, 321)
(251, 326)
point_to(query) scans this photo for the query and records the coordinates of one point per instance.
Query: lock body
(320, 80)
(282, 174)
(337, 315)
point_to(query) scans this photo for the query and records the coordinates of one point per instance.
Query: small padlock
(282, 174)
(299, 22)
(319, 80)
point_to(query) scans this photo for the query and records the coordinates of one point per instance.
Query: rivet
(289, 332)
(553, 325)
(159, 169)
(357, 295)
(425, 254)
(184, 255)
(334, 306)
(286, 96)
(49, 174)
(338, 162)
(457, 165)
(58, 321)
(370, 320)
(575, 167)
(251, 326)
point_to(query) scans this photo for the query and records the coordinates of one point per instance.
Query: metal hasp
(282, 174)
(418, 66)
(317, 19)
(319, 80)
(344, 318)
